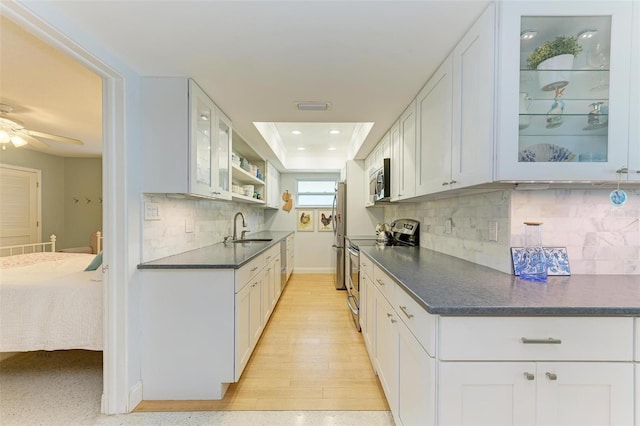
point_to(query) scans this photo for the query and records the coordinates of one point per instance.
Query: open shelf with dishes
(247, 171)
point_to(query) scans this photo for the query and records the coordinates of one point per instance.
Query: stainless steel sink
(253, 240)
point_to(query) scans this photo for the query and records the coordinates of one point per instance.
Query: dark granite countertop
(218, 256)
(446, 285)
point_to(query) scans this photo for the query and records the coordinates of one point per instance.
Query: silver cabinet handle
(389, 315)
(404, 311)
(549, 341)
(380, 281)
(445, 183)
(268, 257)
(253, 269)
(529, 376)
(551, 376)
(393, 321)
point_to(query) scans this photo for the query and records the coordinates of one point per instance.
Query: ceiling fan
(12, 130)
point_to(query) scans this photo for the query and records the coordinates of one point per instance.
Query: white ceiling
(256, 59)
(50, 93)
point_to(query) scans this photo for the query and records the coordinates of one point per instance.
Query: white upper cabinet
(396, 160)
(473, 104)
(564, 121)
(404, 156)
(433, 153)
(273, 199)
(186, 140)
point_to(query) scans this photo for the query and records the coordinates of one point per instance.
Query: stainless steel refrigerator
(339, 220)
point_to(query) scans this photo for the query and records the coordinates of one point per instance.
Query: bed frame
(50, 245)
(30, 248)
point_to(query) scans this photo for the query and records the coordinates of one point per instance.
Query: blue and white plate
(545, 152)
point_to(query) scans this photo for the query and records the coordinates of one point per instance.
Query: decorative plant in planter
(557, 55)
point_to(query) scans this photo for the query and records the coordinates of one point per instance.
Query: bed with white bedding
(49, 302)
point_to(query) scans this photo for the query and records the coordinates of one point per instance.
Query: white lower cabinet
(483, 370)
(248, 322)
(367, 313)
(530, 393)
(486, 393)
(406, 371)
(216, 315)
(536, 370)
(386, 344)
(416, 381)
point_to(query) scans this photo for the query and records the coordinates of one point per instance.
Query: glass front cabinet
(564, 82)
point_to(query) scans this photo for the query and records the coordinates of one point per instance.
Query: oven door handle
(353, 251)
(355, 311)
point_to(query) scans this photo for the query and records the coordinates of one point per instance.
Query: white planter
(555, 72)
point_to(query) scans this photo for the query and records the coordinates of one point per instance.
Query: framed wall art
(305, 222)
(325, 220)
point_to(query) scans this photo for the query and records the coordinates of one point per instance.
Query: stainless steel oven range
(403, 232)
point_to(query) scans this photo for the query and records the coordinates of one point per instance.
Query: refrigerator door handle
(333, 210)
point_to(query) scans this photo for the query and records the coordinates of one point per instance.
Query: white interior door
(19, 205)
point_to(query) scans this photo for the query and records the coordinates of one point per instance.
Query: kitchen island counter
(220, 255)
(446, 285)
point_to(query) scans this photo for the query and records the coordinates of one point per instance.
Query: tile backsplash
(466, 236)
(211, 220)
(600, 238)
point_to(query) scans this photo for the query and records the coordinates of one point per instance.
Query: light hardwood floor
(310, 357)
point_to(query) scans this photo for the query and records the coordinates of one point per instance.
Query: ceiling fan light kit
(12, 130)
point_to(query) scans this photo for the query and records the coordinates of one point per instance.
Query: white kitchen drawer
(366, 265)
(421, 323)
(248, 271)
(271, 254)
(384, 283)
(536, 338)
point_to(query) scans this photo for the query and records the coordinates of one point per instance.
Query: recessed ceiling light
(301, 148)
(332, 148)
(587, 34)
(296, 132)
(528, 34)
(334, 132)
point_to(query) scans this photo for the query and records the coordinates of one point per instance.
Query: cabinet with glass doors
(563, 101)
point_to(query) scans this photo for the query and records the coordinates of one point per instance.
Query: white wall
(313, 252)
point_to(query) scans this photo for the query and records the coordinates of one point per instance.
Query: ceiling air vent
(312, 106)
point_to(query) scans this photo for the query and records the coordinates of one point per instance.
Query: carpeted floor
(65, 388)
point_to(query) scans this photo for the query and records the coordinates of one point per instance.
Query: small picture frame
(325, 220)
(305, 220)
(557, 260)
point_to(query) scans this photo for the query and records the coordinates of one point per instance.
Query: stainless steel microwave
(380, 182)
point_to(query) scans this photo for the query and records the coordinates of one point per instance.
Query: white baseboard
(135, 396)
(325, 270)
